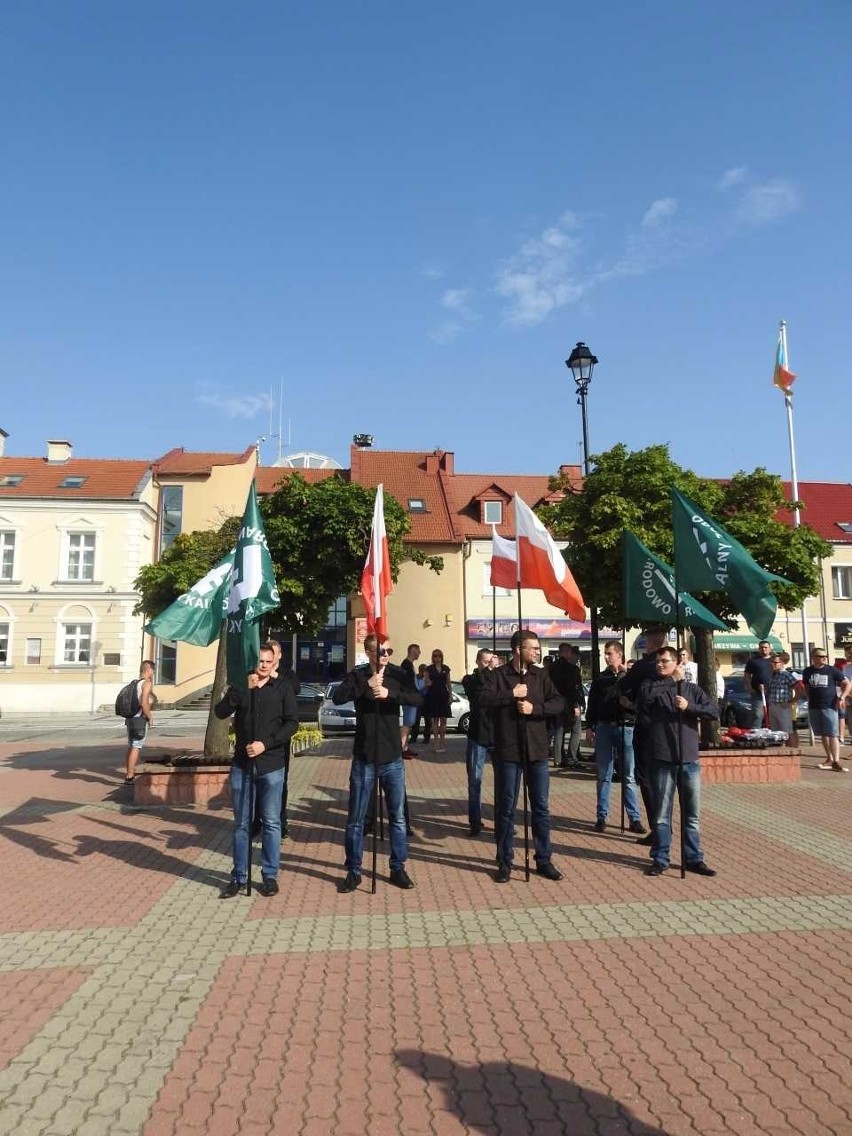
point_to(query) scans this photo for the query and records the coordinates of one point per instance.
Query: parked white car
(341, 719)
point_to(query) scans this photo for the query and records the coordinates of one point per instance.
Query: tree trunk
(705, 657)
(216, 738)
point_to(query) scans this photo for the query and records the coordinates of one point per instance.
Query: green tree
(630, 490)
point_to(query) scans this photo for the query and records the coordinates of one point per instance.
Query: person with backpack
(136, 704)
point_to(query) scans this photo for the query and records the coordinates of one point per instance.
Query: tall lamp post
(581, 363)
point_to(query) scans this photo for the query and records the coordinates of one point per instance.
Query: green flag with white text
(709, 559)
(648, 591)
(251, 593)
(196, 616)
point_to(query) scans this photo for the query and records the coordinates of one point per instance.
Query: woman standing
(437, 703)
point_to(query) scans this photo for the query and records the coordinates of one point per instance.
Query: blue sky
(408, 214)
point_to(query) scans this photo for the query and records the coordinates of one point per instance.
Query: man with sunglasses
(826, 689)
(377, 688)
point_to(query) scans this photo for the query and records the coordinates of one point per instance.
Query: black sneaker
(231, 889)
(352, 881)
(600, 825)
(638, 827)
(549, 871)
(401, 879)
(700, 868)
(656, 869)
(647, 840)
(269, 886)
(504, 873)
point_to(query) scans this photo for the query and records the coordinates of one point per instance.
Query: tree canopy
(630, 490)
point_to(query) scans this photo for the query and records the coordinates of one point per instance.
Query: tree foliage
(630, 490)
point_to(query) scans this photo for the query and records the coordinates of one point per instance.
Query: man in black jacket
(280, 673)
(644, 669)
(609, 727)
(668, 711)
(521, 697)
(266, 718)
(377, 688)
(479, 737)
(568, 680)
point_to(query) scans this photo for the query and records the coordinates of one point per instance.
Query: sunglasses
(385, 651)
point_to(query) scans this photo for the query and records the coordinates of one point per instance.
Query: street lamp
(581, 363)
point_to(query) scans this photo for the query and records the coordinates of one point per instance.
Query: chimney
(58, 452)
(3, 436)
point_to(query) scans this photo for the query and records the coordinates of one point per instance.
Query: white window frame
(88, 545)
(841, 581)
(487, 589)
(4, 548)
(83, 633)
(486, 505)
(74, 614)
(77, 526)
(6, 623)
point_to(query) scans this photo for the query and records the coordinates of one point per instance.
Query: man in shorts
(137, 726)
(409, 713)
(826, 688)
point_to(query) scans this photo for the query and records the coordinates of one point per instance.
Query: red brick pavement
(28, 999)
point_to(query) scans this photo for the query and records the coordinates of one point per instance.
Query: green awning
(731, 641)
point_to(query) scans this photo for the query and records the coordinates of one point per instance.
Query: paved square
(134, 1001)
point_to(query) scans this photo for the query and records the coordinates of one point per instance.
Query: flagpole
(494, 618)
(679, 775)
(522, 722)
(794, 481)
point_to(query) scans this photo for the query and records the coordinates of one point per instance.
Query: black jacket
(267, 714)
(659, 718)
(603, 700)
(481, 729)
(376, 720)
(568, 681)
(497, 695)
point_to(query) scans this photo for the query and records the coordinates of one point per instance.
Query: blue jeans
(757, 716)
(608, 742)
(269, 789)
(538, 784)
(571, 724)
(475, 756)
(664, 782)
(362, 779)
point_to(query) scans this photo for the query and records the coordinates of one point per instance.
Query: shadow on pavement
(516, 1100)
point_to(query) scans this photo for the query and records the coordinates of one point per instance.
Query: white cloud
(432, 271)
(543, 275)
(734, 176)
(763, 204)
(658, 211)
(455, 300)
(445, 332)
(235, 406)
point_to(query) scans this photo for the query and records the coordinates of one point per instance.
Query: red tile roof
(827, 505)
(112, 478)
(182, 463)
(267, 477)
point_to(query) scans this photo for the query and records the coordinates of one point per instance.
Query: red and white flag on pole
(504, 562)
(376, 583)
(541, 564)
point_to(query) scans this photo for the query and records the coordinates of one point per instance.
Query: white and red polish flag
(376, 583)
(504, 562)
(542, 566)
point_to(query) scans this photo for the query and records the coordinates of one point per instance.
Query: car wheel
(463, 724)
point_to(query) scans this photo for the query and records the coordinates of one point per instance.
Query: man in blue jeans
(377, 688)
(668, 710)
(266, 717)
(479, 737)
(521, 698)
(610, 728)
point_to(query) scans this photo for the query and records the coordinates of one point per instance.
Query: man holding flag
(266, 712)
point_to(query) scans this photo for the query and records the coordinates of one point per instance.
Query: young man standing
(758, 672)
(409, 712)
(521, 698)
(137, 726)
(609, 728)
(479, 737)
(826, 688)
(378, 689)
(668, 711)
(265, 718)
(566, 677)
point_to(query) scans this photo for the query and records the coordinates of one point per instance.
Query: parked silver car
(341, 719)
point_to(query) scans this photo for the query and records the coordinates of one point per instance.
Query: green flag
(709, 559)
(648, 591)
(196, 616)
(252, 592)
